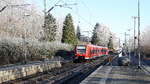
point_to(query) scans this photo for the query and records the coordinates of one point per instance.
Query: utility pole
(45, 12)
(45, 8)
(139, 34)
(119, 43)
(126, 48)
(24, 36)
(134, 17)
(125, 43)
(125, 40)
(129, 46)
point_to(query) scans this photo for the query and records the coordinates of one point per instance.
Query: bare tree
(21, 28)
(145, 40)
(18, 19)
(59, 22)
(102, 34)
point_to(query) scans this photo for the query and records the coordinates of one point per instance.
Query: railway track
(145, 68)
(61, 75)
(86, 72)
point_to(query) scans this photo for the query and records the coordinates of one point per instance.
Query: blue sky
(116, 14)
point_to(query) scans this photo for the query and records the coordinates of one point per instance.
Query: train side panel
(87, 56)
(89, 51)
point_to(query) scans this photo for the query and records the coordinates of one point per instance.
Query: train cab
(80, 52)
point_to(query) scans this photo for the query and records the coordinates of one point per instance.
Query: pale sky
(116, 14)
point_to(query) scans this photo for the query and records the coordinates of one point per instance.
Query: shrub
(14, 50)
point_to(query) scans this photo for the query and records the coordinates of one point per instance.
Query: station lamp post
(24, 36)
(125, 41)
(139, 63)
(129, 45)
(134, 41)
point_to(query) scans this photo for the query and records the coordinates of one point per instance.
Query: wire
(5, 1)
(18, 6)
(88, 9)
(79, 16)
(82, 18)
(58, 2)
(89, 23)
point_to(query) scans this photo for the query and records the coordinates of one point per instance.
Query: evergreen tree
(110, 43)
(69, 31)
(50, 28)
(78, 33)
(94, 37)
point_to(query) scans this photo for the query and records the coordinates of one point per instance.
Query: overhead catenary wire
(86, 21)
(88, 9)
(65, 6)
(18, 6)
(53, 7)
(21, 7)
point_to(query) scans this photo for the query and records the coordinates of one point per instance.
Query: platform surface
(117, 75)
(114, 74)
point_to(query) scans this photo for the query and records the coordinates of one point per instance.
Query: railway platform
(115, 74)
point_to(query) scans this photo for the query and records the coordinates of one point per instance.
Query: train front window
(81, 49)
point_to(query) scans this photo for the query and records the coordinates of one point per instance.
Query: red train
(85, 52)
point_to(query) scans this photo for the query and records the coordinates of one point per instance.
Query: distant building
(85, 38)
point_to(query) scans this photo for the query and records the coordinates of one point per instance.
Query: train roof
(92, 45)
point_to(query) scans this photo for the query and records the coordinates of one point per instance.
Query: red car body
(89, 51)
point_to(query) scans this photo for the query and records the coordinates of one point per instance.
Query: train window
(81, 49)
(92, 51)
(102, 50)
